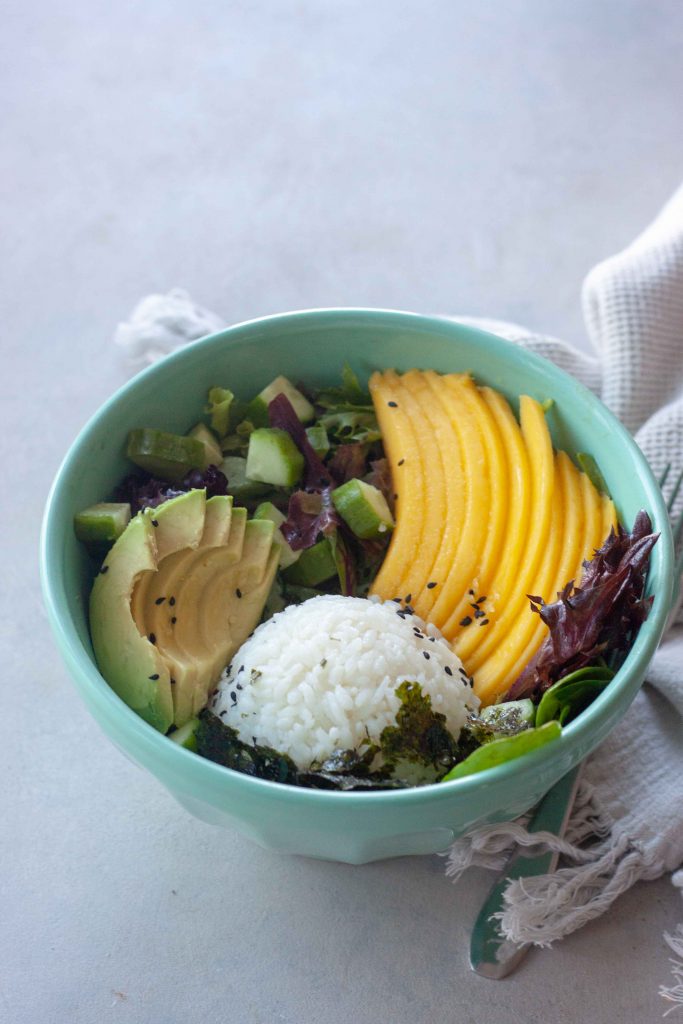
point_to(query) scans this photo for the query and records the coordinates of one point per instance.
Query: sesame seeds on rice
(321, 677)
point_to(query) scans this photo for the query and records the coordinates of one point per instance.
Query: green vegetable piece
(592, 471)
(266, 510)
(509, 716)
(169, 456)
(185, 735)
(273, 458)
(315, 565)
(242, 489)
(214, 455)
(363, 508)
(318, 439)
(547, 405)
(569, 696)
(218, 408)
(100, 525)
(257, 410)
(505, 749)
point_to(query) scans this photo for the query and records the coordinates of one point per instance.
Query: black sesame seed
(466, 621)
(221, 713)
(400, 462)
(172, 682)
(155, 676)
(396, 497)
(240, 669)
(105, 568)
(432, 639)
(152, 638)
(430, 586)
(471, 680)
(471, 592)
(233, 696)
(238, 592)
(484, 622)
(408, 598)
(462, 672)
(409, 610)
(448, 670)
(425, 654)
(393, 405)
(155, 522)
(160, 600)
(481, 599)
(323, 663)
(171, 601)
(173, 620)
(396, 600)
(479, 614)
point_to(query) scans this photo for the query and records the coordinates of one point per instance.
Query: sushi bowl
(313, 346)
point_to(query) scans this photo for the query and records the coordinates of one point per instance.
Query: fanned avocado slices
(177, 595)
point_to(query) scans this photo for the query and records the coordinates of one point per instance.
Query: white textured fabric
(627, 822)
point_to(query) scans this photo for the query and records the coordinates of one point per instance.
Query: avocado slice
(180, 591)
(132, 665)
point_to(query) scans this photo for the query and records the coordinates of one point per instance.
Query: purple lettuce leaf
(310, 516)
(348, 462)
(380, 477)
(599, 617)
(149, 492)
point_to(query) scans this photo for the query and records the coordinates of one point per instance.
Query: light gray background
(435, 156)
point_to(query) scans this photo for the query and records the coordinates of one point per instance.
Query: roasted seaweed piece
(419, 740)
(600, 617)
(420, 735)
(219, 742)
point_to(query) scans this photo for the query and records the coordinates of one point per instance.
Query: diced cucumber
(214, 455)
(185, 735)
(273, 458)
(509, 713)
(363, 508)
(266, 510)
(242, 489)
(257, 410)
(169, 456)
(318, 439)
(218, 408)
(316, 565)
(100, 525)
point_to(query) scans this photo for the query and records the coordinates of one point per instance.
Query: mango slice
(486, 513)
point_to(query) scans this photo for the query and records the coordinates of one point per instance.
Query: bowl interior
(312, 347)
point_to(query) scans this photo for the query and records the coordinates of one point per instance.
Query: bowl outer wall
(312, 346)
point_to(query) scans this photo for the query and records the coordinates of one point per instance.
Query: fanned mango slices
(486, 513)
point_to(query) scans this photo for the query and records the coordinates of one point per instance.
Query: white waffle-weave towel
(631, 794)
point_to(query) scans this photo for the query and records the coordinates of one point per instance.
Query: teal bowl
(313, 346)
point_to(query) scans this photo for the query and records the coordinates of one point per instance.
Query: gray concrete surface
(437, 156)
